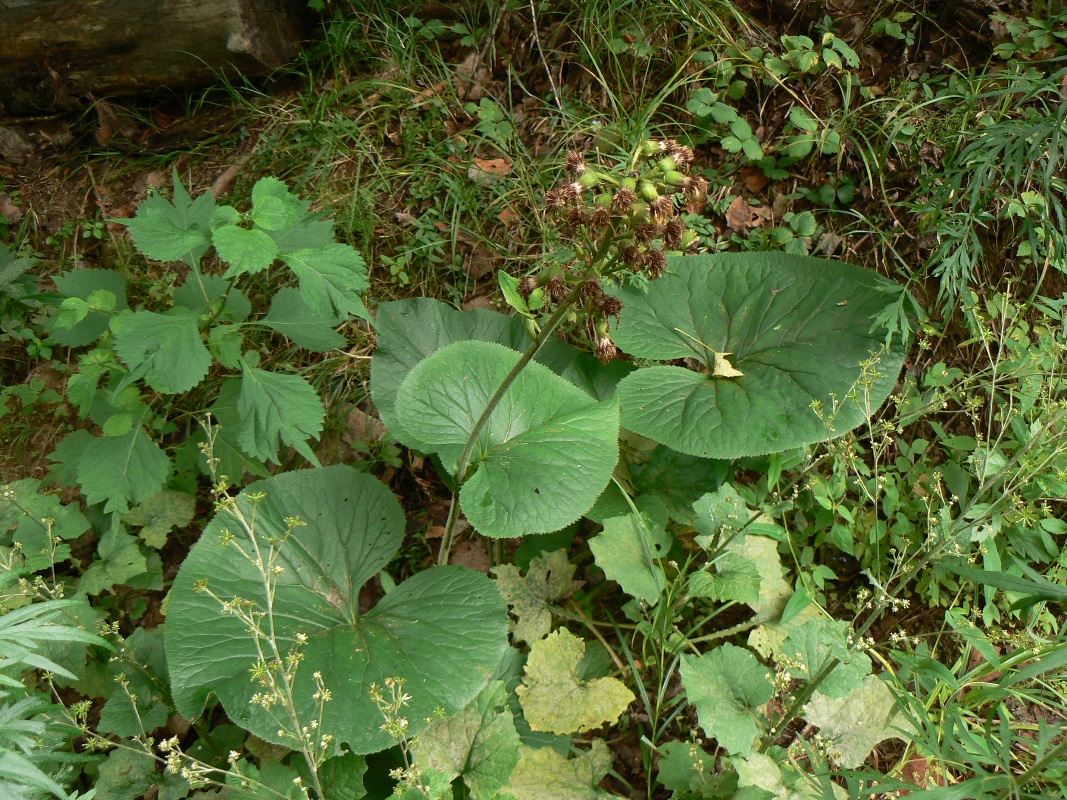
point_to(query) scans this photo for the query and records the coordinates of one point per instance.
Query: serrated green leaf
(118, 470)
(718, 515)
(12, 268)
(228, 421)
(160, 513)
(165, 350)
(629, 550)
(479, 743)
(798, 328)
(443, 630)
(81, 283)
(126, 774)
(290, 316)
(199, 293)
(120, 559)
(332, 279)
(814, 643)
(546, 454)
(727, 686)
(555, 698)
(245, 250)
(172, 231)
(35, 518)
(509, 287)
(735, 578)
(544, 774)
(550, 577)
(687, 770)
(857, 722)
(277, 408)
(68, 455)
(342, 777)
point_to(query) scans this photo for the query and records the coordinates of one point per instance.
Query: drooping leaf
(290, 316)
(277, 408)
(200, 293)
(727, 686)
(550, 577)
(857, 722)
(333, 279)
(479, 743)
(126, 774)
(246, 250)
(120, 470)
(414, 329)
(443, 630)
(165, 350)
(544, 774)
(813, 643)
(342, 777)
(160, 513)
(555, 698)
(81, 283)
(545, 456)
(170, 231)
(629, 551)
(798, 328)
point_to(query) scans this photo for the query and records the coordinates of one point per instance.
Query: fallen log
(55, 55)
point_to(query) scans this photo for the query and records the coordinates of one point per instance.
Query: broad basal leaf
(857, 722)
(545, 456)
(444, 630)
(629, 551)
(277, 408)
(727, 686)
(550, 577)
(170, 231)
(814, 643)
(798, 330)
(414, 329)
(544, 774)
(120, 470)
(553, 696)
(479, 743)
(165, 350)
(333, 279)
(160, 513)
(734, 578)
(290, 316)
(760, 776)
(82, 283)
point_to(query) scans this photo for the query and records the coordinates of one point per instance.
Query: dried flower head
(657, 262)
(574, 162)
(673, 232)
(661, 208)
(557, 287)
(610, 306)
(600, 218)
(697, 188)
(606, 349)
(527, 285)
(683, 156)
(622, 201)
(633, 257)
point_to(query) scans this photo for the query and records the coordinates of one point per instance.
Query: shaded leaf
(290, 316)
(165, 350)
(550, 577)
(629, 550)
(161, 513)
(727, 686)
(277, 408)
(118, 470)
(81, 284)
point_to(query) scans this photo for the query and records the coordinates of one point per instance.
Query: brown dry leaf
(755, 180)
(471, 77)
(508, 216)
(362, 427)
(740, 216)
(8, 208)
(486, 170)
(479, 263)
(472, 555)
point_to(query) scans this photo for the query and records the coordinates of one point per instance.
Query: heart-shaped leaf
(798, 329)
(443, 630)
(546, 454)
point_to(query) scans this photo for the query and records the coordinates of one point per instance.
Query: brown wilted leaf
(740, 216)
(486, 170)
(755, 180)
(508, 217)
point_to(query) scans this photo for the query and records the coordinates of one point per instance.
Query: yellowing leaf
(544, 774)
(550, 577)
(723, 367)
(555, 698)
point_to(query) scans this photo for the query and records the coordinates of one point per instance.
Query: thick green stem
(468, 451)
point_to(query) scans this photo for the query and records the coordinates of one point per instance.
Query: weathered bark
(56, 53)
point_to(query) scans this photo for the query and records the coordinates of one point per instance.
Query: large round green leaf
(545, 456)
(414, 329)
(443, 630)
(798, 330)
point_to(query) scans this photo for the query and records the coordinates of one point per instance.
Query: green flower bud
(640, 212)
(651, 148)
(648, 191)
(589, 179)
(673, 178)
(603, 200)
(667, 164)
(601, 328)
(628, 183)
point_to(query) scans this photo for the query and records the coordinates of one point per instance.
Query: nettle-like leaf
(120, 470)
(629, 551)
(33, 519)
(277, 408)
(857, 722)
(290, 316)
(246, 250)
(82, 284)
(165, 350)
(545, 456)
(798, 330)
(199, 293)
(555, 698)
(734, 578)
(119, 560)
(812, 644)
(443, 630)
(167, 230)
(229, 423)
(480, 743)
(332, 278)
(414, 329)
(544, 774)
(727, 686)
(550, 577)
